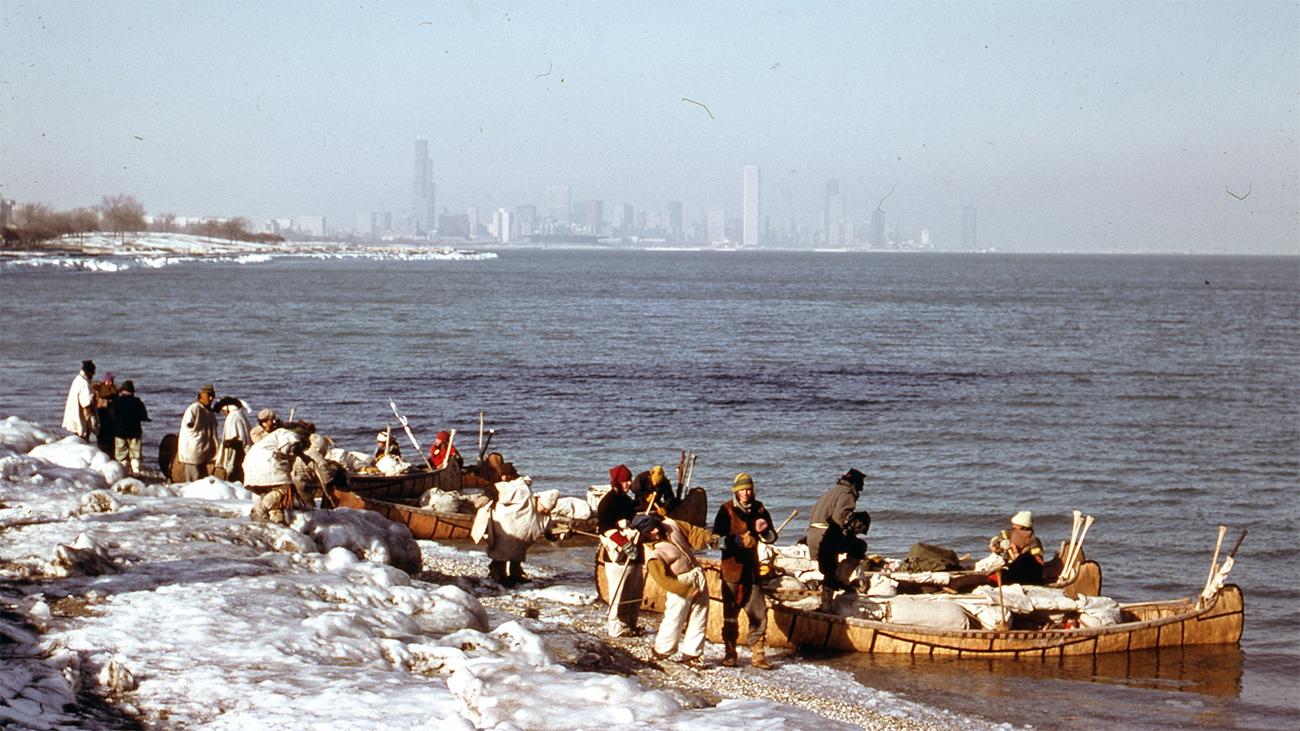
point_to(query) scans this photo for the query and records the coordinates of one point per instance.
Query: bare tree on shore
(122, 213)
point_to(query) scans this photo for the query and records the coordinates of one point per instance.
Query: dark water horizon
(1160, 394)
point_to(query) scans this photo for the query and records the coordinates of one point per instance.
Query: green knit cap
(742, 482)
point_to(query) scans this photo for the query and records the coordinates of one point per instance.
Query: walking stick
(1002, 608)
(615, 599)
(1214, 562)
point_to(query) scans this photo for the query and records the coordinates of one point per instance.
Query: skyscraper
(751, 216)
(833, 214)
(969, 240)
(423, 213)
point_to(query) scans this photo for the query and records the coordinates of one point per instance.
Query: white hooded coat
(269, 462)
(516, 524)
(77, 409)
(236, 427)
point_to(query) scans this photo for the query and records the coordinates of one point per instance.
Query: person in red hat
(443, 452)
(623, 554)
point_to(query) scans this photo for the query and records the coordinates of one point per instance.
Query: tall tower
(969, 240)
(423, 213)
(833, 214)
(750, 217)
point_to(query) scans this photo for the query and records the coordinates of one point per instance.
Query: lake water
(1159, 394)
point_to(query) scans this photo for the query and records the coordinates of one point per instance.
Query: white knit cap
(1024, 518)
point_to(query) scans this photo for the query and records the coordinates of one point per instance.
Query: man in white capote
(235, 440)
(79, 410)
(196, 446)
(269, 473)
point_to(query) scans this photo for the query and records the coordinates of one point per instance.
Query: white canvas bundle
(882, 585)
(990, 563)
(595, 493)
(927, 611)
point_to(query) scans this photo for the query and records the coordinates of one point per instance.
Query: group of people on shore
(110, 415)
(638, 541)
(280, 462)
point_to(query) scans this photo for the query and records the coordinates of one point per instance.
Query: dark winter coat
(740, 564)
(128, 413)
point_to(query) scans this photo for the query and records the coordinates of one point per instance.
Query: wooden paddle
(1214, 562)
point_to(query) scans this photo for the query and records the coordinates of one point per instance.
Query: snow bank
(181, 612)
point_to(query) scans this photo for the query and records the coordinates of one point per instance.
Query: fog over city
(1081, 127)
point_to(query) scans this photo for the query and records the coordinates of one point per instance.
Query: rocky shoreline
(576, 638)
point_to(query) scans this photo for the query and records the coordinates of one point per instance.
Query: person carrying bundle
(672, 564)
(832, 529)
(515, 523)
(269, 472)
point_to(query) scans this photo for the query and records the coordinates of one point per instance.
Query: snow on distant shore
(101, 252)
(163, 604)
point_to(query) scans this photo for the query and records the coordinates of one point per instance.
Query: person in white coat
(269, 473)
(79, 410)
(516, 524)
(196, 446)
(235, 440)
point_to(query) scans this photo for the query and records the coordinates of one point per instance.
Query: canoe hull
(1155, 625)
(424, 524)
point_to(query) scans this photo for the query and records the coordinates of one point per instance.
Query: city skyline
(1069, 127)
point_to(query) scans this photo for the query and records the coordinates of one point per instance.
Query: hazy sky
(1071, 126)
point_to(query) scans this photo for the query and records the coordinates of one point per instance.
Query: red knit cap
(442, 436)
(618, 475)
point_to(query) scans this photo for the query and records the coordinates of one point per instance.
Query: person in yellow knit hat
(741, 523)
(651, 488)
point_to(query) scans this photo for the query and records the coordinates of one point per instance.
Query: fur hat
(854, 478)
(208, 388)
(88, 366)
(618, 475)
(266, 415)
(742, 482)
(1024, 519)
